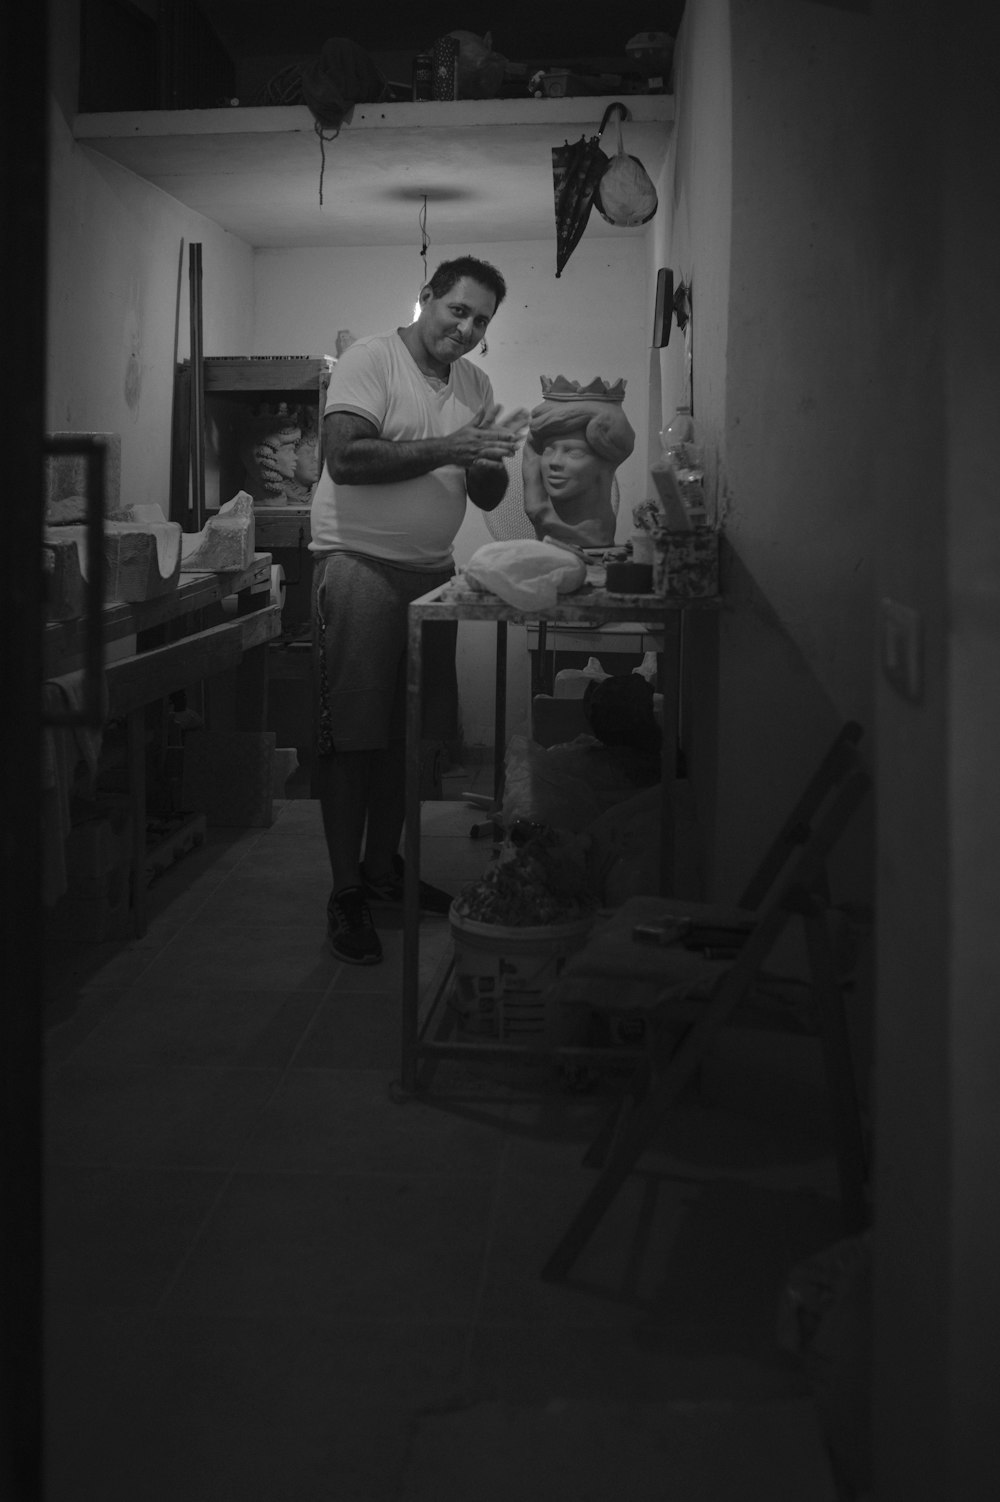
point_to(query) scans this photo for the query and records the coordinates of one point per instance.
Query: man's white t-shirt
(412, 522)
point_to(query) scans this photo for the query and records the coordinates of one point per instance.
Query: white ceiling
(485, 166)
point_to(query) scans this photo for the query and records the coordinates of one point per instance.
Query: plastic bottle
(683, 450)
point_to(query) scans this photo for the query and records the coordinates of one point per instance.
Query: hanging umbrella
(577, 168)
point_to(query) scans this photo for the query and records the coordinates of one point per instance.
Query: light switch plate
(902, 649)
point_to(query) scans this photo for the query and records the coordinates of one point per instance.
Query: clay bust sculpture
(281, 458)
(577, 438)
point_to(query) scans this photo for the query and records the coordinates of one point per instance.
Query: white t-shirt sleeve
(358, 383)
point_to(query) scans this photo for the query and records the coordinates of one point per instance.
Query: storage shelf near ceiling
(485, 164)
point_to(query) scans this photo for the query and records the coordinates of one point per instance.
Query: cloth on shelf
(70, 756)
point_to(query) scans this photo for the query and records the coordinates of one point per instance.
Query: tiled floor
(270, 1282)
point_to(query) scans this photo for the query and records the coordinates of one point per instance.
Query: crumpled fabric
(525, 573)
(341, 76)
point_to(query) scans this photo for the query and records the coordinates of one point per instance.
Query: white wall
(596, 319)
(118, 306)
(935, 301)
(771, 192)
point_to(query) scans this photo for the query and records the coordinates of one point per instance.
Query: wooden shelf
(63, 641)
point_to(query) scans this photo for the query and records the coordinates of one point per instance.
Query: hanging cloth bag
(342, 76)
(625, 193)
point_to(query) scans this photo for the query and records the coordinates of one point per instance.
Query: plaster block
(141, 559)
(64, 585)
(65, 475)
(225, 544)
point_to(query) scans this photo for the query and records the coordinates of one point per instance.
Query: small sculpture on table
(577, 438)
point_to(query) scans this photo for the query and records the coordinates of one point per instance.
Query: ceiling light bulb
(416, 310)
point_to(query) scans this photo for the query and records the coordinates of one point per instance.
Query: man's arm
(357, 455)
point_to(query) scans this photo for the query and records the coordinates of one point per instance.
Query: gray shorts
(360, 639)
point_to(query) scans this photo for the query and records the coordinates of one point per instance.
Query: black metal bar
(91, 711)
(197, 391)
(410, 988)
(500, 712)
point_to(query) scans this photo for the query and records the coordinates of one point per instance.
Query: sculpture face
(306, 461)
(576, 441)
(284, 446)
(571, 469)
(279, 450)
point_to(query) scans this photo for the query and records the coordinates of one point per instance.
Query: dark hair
(450, 272)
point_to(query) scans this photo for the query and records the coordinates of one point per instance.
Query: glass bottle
(683, 451)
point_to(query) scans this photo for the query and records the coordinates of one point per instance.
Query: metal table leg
(500, 712)
(410, 997)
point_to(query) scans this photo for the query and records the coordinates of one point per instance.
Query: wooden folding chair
(694, 963)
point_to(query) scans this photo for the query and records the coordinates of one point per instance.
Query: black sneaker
(350, 931)
(389, 891)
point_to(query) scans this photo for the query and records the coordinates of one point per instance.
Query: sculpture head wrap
(595, 411)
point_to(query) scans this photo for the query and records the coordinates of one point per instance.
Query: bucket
(502, 976)
(686, 564)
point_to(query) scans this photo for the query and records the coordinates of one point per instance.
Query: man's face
(569, 467)
(453, 324)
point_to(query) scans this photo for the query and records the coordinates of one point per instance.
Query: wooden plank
(282, 526)
(154, 675)
(263, 375)
(194, 591)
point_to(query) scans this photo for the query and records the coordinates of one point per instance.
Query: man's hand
(486, 477)
(357, 455)
(491, 437)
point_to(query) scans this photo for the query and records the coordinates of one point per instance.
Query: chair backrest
(839, 765)
(509, 520)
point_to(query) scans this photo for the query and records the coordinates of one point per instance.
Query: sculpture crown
(563, 390)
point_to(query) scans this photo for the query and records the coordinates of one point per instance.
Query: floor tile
(73, 1016)
(341, 1246)
(251, 898)
(352, 1029)
(72, 969)
(696, 1452)
(537, 1363)
(346, 1121)
(154, 1117)
(258, 1410)
(264, 958)
(225, 1026)
(116, 1237)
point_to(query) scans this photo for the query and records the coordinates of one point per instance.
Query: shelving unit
(231, 385)
(203, 644)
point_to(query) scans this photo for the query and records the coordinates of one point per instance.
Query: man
(411, 430)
